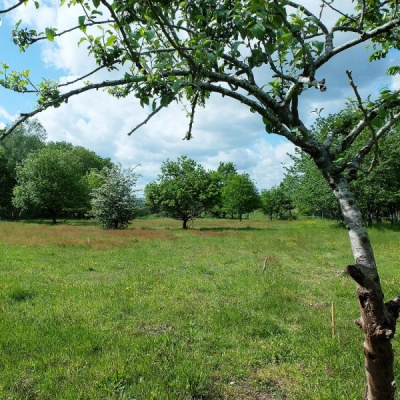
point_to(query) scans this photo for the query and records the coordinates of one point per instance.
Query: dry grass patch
(69, 235)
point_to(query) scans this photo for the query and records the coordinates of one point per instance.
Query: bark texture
(378, 319)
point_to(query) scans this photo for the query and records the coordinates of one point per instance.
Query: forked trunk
(378, 319)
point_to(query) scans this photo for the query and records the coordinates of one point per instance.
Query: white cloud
(6, 116)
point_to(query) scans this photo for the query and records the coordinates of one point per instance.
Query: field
(155, 312)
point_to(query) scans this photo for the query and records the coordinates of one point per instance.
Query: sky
(224, 131)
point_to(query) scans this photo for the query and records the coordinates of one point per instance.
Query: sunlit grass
(155, 312)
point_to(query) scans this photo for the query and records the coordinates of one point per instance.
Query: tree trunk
(378, 319)
(53, 215)
(184, 225)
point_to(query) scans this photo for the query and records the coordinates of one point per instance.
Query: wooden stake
(333, 319)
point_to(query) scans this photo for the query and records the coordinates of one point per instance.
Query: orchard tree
(239, 195)
(184, 190)
(50, 181)
(264, 54)
(276, 201)
(114, 202)
(220, 177)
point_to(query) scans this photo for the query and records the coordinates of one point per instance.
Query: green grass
(155, 312)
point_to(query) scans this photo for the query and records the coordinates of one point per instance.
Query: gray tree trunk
(378, 319)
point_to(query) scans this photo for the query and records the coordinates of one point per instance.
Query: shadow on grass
(19, 295)
(71, 222)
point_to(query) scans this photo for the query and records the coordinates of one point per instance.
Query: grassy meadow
(155, 312)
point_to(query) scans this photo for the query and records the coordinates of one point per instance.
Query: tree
(184, 190)
(220, 177)
(28, 137)
(269, 201)
(50, 180)
(276, 201)
(177, 50)
(114, 203)
(239, 195)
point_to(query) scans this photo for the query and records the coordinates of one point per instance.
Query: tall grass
(155, 312)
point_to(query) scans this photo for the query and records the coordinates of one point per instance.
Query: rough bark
(378, 319)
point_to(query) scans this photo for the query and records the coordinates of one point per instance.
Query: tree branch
(12, 7)
(366, 119)
(364, 36)
(94, 23)
(146, 120)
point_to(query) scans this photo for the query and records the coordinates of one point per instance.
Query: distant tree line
(304, 191)
(57, 179)
(40, 179)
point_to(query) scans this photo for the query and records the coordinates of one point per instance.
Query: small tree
(239, 195)
(50, 180)
(184, 190)
(276, 200)
(113, 203)
(269, 201)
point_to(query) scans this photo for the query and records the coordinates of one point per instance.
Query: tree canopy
(50, 180)
(239, 195)
(184, 190)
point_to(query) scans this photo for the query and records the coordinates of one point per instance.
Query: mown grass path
(155, 312)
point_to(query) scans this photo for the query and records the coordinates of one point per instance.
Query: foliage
(311, 194)
(239, 195)
(50, 180)
(276, 201)
(376, 190)
(220, 177)
(114, 203)
(28, 137)
(88, 159)
(184, 190)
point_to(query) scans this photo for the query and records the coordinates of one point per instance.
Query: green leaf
(81, 21)
(258, 31)
(50, 34)
(268, 125)
(96, 3)
(110, 41)
(82, 39)
(165, 100)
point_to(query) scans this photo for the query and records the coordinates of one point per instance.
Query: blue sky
(223, 131)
